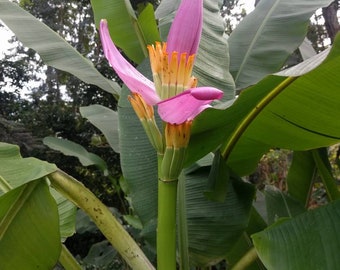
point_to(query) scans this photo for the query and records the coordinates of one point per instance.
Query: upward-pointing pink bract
(184, 37)
(185, 32)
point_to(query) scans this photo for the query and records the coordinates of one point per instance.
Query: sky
(248, 4)
(5, 35)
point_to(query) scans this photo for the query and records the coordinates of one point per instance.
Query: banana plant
(217, 215)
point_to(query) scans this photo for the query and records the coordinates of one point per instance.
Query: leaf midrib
(15, 208)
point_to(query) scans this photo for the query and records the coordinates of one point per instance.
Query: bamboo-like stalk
(183, 242)
(246, 260)
(67, 260)
(166, 226)
(103, 218)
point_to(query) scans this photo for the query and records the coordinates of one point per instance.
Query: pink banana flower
(173, 88)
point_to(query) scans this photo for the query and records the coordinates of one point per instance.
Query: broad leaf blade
(301, 176)
(17, 170)
(70, 148)
(67, 215)
(53, 50)
(263, 117)
(120, 22)
(215, 126)
(265, 38)
(138, 161)
(218, 179)
(306, 49)
(214, 227)
(166, 7)
(299, 243)
(29, 230)
(281, 205)
(9, 151)
(126, 32)
(147, 24)
(106, 120)
(325, 171)
(289, 120)
(212, 65)
(244, 244)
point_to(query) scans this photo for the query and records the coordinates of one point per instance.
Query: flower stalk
(166, 226)
(169, 168)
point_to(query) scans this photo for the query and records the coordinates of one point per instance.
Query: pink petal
(133, 79)
(186, 29)
(206, 93)
(187, 105)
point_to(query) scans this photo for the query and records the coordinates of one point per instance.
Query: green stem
(103, 218)
(246, 260)
(67, 260)
(166, 227)
(182, 226)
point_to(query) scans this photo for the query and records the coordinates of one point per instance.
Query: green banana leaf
(67, 215)
(16, 171)
(229, 119)
(9, 151)
(301, 176)
(70, 148)
(29, 229)
(289, 120)
(53, 50)
(212, 65)
(262, 42)
(306, 168)
(244, 244)
(214, 227)
(309, 241)
(130, 34)
(148, 24)
(297, 113)
(306, 49)
(165, 8)
(280, 205)
(138, 161)
(106, 120)
(326, 173)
